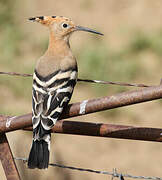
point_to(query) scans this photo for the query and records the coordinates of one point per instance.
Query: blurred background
(130, 51)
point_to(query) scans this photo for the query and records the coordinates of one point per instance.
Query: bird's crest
(47, 20)
(68, 25)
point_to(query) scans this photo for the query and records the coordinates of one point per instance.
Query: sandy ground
(133, 157)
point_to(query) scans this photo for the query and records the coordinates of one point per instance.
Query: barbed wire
(84, 80)
(114, 173)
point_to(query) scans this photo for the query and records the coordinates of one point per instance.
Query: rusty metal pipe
(114, 101)
(7, 160)
(107, 130)
(8, 123)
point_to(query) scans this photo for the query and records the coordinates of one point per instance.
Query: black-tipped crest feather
(34, 18)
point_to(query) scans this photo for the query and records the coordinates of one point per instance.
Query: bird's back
(55, 78)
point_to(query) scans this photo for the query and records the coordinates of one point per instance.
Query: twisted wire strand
(114, 173)
(83, 80)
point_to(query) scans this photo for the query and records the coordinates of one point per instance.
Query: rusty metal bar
(88, 106)
(7, 160)
(8, 123)
(101, 130)
(107, 130)
(114, 101)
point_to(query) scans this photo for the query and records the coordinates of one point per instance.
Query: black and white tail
(40, 151)
(39, 155)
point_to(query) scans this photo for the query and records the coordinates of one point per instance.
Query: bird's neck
(58, 46)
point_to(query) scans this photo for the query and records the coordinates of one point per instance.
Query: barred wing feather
(50, 96)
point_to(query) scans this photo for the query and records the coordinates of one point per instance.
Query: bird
(54, 79)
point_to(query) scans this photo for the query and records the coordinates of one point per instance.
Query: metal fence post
(7, 159)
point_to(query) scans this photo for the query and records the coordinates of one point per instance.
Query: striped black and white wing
(50, 95)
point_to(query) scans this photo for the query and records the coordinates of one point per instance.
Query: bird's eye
(64, 25)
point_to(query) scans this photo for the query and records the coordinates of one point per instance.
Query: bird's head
(61, 26)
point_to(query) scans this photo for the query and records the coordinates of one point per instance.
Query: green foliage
(6, 13)
(124, 65)
(141, 42)
(11, 34)
(98, 62)
(10, 46)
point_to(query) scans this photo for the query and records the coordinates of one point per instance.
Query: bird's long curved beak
(80, 28)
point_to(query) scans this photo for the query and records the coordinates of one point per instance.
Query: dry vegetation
(130, 51)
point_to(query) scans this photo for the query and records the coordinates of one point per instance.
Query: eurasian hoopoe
(54, 79)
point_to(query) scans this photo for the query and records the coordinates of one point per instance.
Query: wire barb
(84, 80)
(114, 173)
